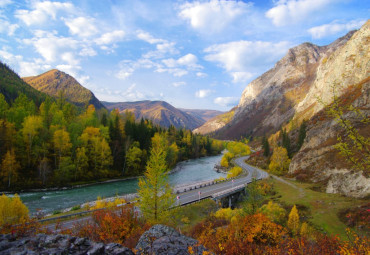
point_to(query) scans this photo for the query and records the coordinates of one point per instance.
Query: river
(190, 171)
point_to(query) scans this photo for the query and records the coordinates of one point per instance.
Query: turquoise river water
(195, 170)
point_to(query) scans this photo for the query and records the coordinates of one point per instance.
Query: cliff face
(273, 98)
(54, 82)
(290, 93)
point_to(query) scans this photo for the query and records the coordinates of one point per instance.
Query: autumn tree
(273, 211)
(62, 143)
(293, 221)
(279, 161)
(12, 210)
(254, 197)
(31, 128)
(9, 167)
(154, 190)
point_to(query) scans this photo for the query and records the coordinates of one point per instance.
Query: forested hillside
(52, 144)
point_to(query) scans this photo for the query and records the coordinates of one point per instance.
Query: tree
(3, 107)
(31, 127)
(234, 172)
(254, 197)
(134, 158)
(154, 191)
(279, 161)
(12, 210)
(266, 146)
(293, 221)
(62, 144)
(286, 142)
(10, 167)
(302, 134)
(82, 164)
(274, 212)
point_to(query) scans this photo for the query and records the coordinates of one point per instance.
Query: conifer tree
(154, 191)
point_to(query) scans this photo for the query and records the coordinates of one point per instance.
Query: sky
(192, 54)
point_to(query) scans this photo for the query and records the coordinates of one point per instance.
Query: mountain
(203, 115)
(159, 112)
(11, 86)
(215, 123)
(289, 93)
(54, 82)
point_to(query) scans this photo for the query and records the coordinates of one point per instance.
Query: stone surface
(57, 244)
(161, 239)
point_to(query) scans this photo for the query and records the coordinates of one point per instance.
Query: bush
(234, 172)
(12, 210)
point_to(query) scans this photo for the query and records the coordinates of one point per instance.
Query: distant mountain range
(164, 114)
(55, 82)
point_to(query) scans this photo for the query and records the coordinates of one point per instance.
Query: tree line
(58, 144)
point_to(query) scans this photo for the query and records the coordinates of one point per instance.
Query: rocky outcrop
(161, 239)
(215, 123)
(58, 244)
(319, 161)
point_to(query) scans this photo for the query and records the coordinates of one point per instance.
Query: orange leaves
(118, 226)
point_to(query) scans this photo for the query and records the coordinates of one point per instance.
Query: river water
(190, 171)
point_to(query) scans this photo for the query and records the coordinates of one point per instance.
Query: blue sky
(192, 54)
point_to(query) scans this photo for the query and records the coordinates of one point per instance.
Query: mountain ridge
(54, 81)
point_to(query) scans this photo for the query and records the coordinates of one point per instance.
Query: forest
(58, 144)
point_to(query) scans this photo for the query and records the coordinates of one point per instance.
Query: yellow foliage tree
(12, 210)
(154, 190)
(9, 167)
(293, 221)
(279, 161)
(273, 211)
(234, 172)
(31, 127)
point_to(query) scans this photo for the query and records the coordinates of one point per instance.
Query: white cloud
(203, 93)
(226, 101)
(4, 3)
(287, 11)
(179, 83)
(212, 16)
(110, 37)
(53, 48)
(145, 36)
(244, 59)
(88, 51)
(8, 28)
(201, 75)
(334, 28)
(81, 26)
(42, 11)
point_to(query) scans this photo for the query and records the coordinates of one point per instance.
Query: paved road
(200, 193)
(208, 191)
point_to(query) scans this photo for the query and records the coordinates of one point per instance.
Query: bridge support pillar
(230, 202)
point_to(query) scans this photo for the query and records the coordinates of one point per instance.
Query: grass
(185, 217)
(322, 209)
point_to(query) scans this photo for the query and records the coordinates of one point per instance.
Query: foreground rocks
(58, 244)
(161, 239)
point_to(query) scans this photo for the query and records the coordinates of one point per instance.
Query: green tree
(286, 142)
(154, 190)
(31, 128)
(265, 146)
(10, 167)
(254, 197)
(82, 164)
(62, 144)
(134, 158)
(3, 107)
(302, 134)
(279, 161)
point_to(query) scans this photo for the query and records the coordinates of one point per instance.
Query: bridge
(190, 193)
(222, 189)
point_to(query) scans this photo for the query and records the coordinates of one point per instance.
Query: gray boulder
(161, 239)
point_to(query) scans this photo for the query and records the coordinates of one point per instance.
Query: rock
(161, 239)
(57, 244)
